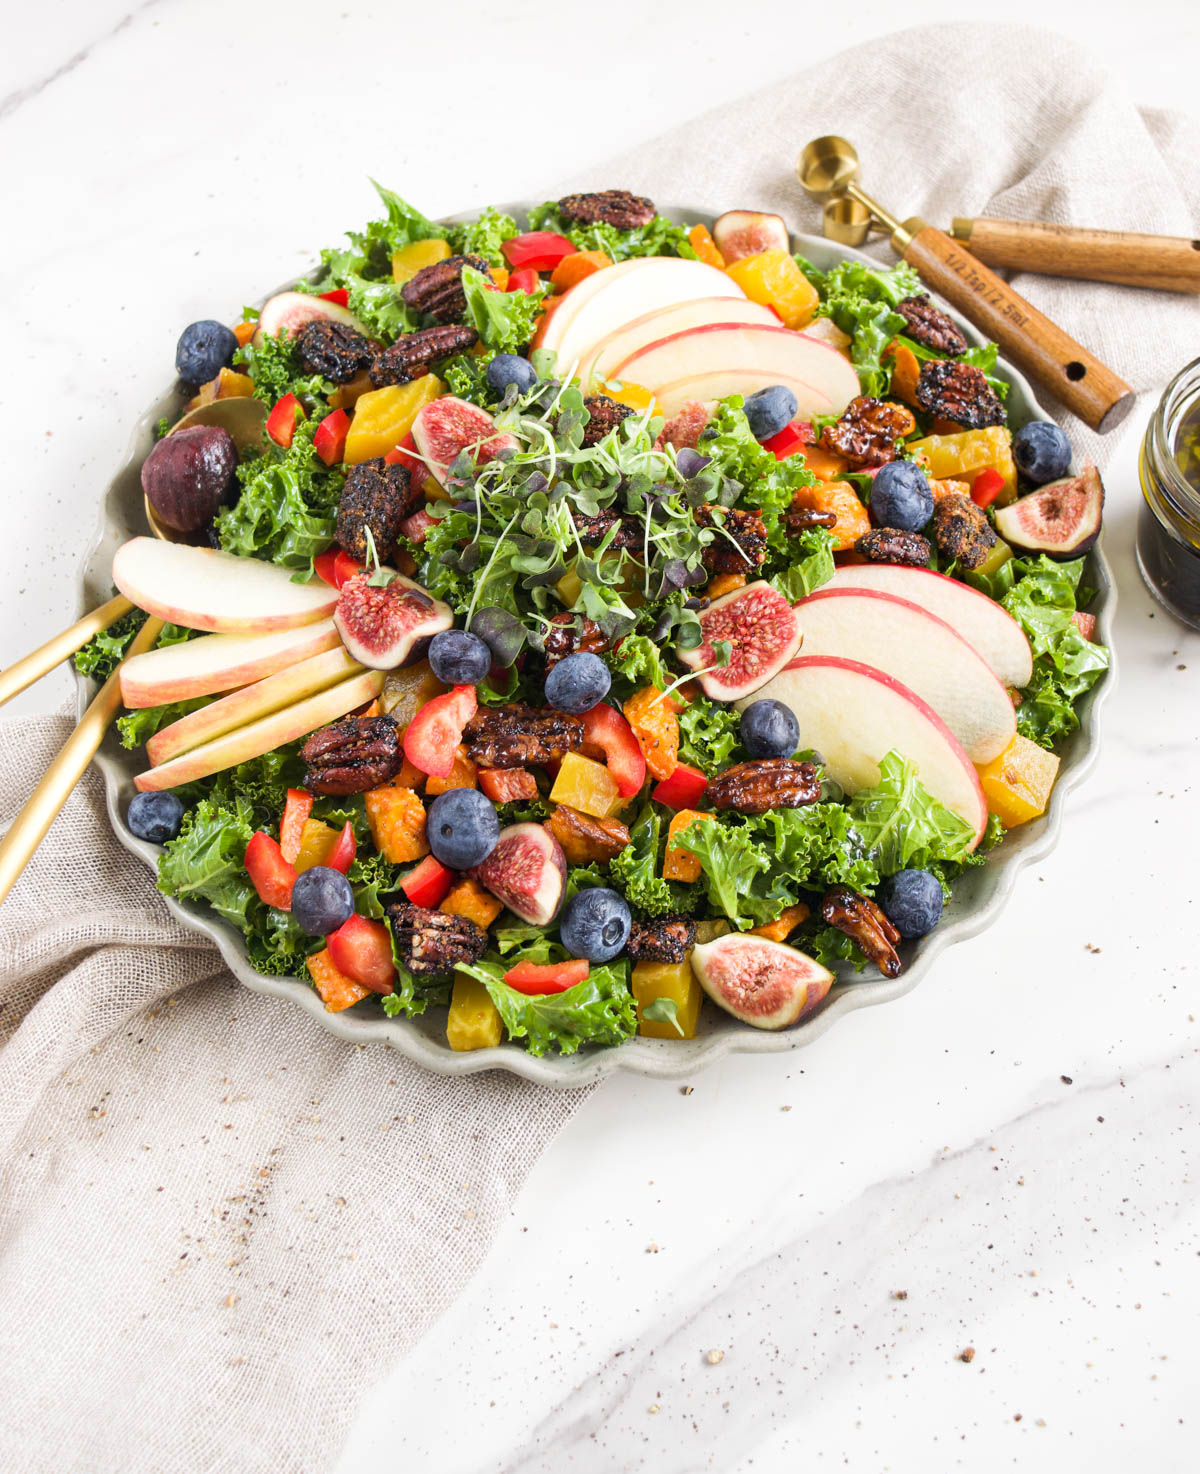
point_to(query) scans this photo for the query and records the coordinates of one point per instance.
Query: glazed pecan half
(929, 325)
(800, 519)
(962, 530)
(352, 755)
(616, 207)
(334, 350)
(411, 356)
(663, 939)
(959, 392)
(569, 633)
(518, 736)
(740, 543)
(867, 432)
(891, 545)
(585, 838)
(604, 414)
(433, 942)
(437, 289)
(862, 920)
(766, 783)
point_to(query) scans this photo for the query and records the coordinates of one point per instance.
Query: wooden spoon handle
(1168, 263)
(1036, 345)
(40, 662)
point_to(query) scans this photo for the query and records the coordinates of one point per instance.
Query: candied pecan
(334, 350)
(740, 544)
(438, 291)
(377, 496)
(959, 392)
(352, 755)
(585, 838)
(962, 530)
(570, 633)
(800, 519)
(631, 531)
(604, 414)
(433, 941)
(766, 783)
(664, 939)
(891, 545)
(862, 920)
(616, 207)
(516, 735)
(410, 357)
(929, 326)
(868, 430)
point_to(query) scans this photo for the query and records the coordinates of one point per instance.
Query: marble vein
(22, 95)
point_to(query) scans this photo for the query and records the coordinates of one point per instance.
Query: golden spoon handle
(41, 808)
(40, 662)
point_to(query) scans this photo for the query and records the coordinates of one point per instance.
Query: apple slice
(218, 663)
(916, 647)
(203, 589)
(983, 623)
(853, 715)
(240, 708)
(706, 389)
(597, 363)
(268, 733)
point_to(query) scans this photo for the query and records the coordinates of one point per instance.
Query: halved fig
(384, 627)
(527, 871)
(1062, 519)
(759, 625)
(741, 233)
(761, 982)
(449, 425)
(287, 312)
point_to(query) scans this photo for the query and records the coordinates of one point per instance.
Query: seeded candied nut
(891, 545)
(519, 736)
(585, 838)
(961, 393)
(962, 530)
(766, 783)
(615, 207)
(867, 431)
(437, 290)
(663, 939)
(864, 923)
(604, 414)
(412, 355)
(334, 350)
(929, 326)
(375, 496)
(570, 633)
(740, 543)
(433, 941)
(352, 755)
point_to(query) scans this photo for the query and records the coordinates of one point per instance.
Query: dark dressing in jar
(1168, 534)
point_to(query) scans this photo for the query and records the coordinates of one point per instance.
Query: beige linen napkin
(217, 1222)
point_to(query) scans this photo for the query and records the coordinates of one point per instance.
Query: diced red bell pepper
(281, 422)
(525, 280)
(608, 729)
(325, 565)
(436, 730)
(271, 875)
(341, 857)
(291, 826)
(330, 440)
(404, 454)
(340, 295)
(682, 790)
(362, 949)
(790, 439)
(507, 785)
(345, 568)
(532, 978)
(416, 526)
(540, 250)
(987, 487)
(428, 883)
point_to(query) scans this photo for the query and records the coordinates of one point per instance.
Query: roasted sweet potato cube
(585, 838)
(468, 898)
(507, 785)
(397, 819)
(336, 989)
(656, 727)
(784, 924)
(680, 864)
(840, 498)
(463, 774)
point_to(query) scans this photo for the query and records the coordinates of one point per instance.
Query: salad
(615, 619)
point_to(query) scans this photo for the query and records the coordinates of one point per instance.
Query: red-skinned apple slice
(218, 663)
(983, 623)
(597, 363)
(853, 715)
(203, 589)
(706, 389)
(921, 651)
(240, 708)
(268, 733)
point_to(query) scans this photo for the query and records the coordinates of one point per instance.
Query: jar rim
(1182, 391)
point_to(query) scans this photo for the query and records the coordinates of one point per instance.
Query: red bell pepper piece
(345, 568)
(532, 978)
(506, 785)
(608, 729)
(525, 280)
(281, 422)
(436, 730)
(540, 250)
(341, 857)
(291, 826)
(405, 454)
(362, 949)
(428, 883)
(325, 565)
(340, 295)
(271, 875)
(790, 439)
(682, 790)
(987, 487)
(330, 440)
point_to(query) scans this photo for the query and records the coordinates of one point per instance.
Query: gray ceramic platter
(978, 898)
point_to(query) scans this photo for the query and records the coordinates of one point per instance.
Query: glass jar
(1168, 533)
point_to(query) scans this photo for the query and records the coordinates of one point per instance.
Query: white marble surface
(165, 162)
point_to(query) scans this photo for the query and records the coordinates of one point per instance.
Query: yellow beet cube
(414, 257)
(673, 980)
(473, 1022)
(569, 587)
(1017, 784)
(964, 455)
(774, 279)
(316, 841)
(383, 417)
(587, 786)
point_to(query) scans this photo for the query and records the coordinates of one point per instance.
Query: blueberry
(203, 350)
(770, 410)
(511, 368)
(154, 816)
(901, 496)
(577, 683)
(912, 901)
(321, 901)
(1042, 452)
(595, 924)
(770, 729)
(458, 658)
(462, 828)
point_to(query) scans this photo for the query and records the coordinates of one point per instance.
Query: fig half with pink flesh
(287, 312)
(761, 982)
(527, 871)
(1062, 519)
(448, 426)
(383, 627)
(741, 233)
(761, 629)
